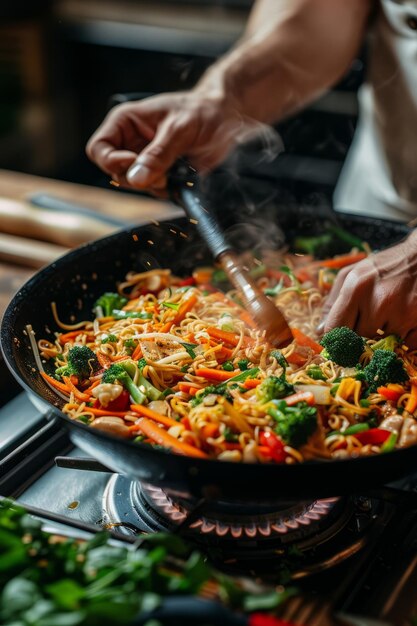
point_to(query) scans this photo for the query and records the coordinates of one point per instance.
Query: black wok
(76, 280)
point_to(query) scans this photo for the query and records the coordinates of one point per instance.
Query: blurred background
(64, 63)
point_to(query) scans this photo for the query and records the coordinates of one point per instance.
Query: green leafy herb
(171, 305)
(189, 347)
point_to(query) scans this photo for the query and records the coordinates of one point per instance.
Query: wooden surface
(16, 186)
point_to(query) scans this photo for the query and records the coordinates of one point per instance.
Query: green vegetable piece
(280, 359)
(81, 361)
(118, 373)
(390, 342)
(273, 387)
(228, 366)
(189, 347)
(389, 444)
(294, 424)
(384, 367)
(315, 372)
(109, 301)
(365, 403)
(343, 346)
(171, 305)
(122, 315)
(109, 339)
(356, 428)
(243, 364)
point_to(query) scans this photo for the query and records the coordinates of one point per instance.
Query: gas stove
(354, 559)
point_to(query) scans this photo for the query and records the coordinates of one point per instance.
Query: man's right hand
(138, 142)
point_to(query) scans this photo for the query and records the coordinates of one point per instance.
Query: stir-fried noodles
(177, 363)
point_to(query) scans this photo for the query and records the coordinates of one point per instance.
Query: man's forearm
(292, 51)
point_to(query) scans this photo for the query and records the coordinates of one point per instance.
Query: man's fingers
(342, 313)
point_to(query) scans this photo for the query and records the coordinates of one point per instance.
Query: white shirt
(379, 177)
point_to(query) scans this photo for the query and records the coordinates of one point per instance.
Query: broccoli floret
(316, 246)
(273, 388)
(343, 346)
(109, 301)
(109, 339)
(152, 393)
(118, 373)
(295, 424)
(390, 342)
(385, 367)
(280, 359)
(81, 361)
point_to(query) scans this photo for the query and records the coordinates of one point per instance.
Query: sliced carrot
(65, 337)
(162, 438)
(304, 340)
(338, 262)
(104, 412)
(156, 417)
(223, 335)
(212, 374)
(55, 383)
(104, 360)
(185, 308)
(89, 389)
(137, 353)
(251, 383)
(391, 392)
(295, 358)
(81, 397)
(411, 405)
(210, 430)
(189, 388)
(203, 275)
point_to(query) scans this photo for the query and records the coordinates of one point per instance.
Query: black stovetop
(361, 560)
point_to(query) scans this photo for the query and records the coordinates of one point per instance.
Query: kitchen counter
(16, 187)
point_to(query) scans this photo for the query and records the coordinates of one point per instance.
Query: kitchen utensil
(186, 191)
(76, 280)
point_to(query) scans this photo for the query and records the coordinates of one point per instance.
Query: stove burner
(238, 521)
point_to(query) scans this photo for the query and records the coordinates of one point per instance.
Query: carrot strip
(137, 353)
(82, 397)
(104, 360)
(190, 388)
(212, 374)
(252, 383)
(65, 337)
(185, 308)
(296, 359)
(156, 417)
(411, 405)
(226, 336)
(89, 389)
(304, 340)
(162, 438)
(103, 412)
(55, 383)
(210, 430)
(338, 262)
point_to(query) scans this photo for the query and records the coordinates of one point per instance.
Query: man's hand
(139, 141)
(379, 292)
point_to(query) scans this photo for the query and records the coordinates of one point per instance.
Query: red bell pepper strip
(275, 445)
(121, 403)
(373, 436)
(391, 392)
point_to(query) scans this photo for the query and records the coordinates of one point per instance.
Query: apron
(379, 177)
